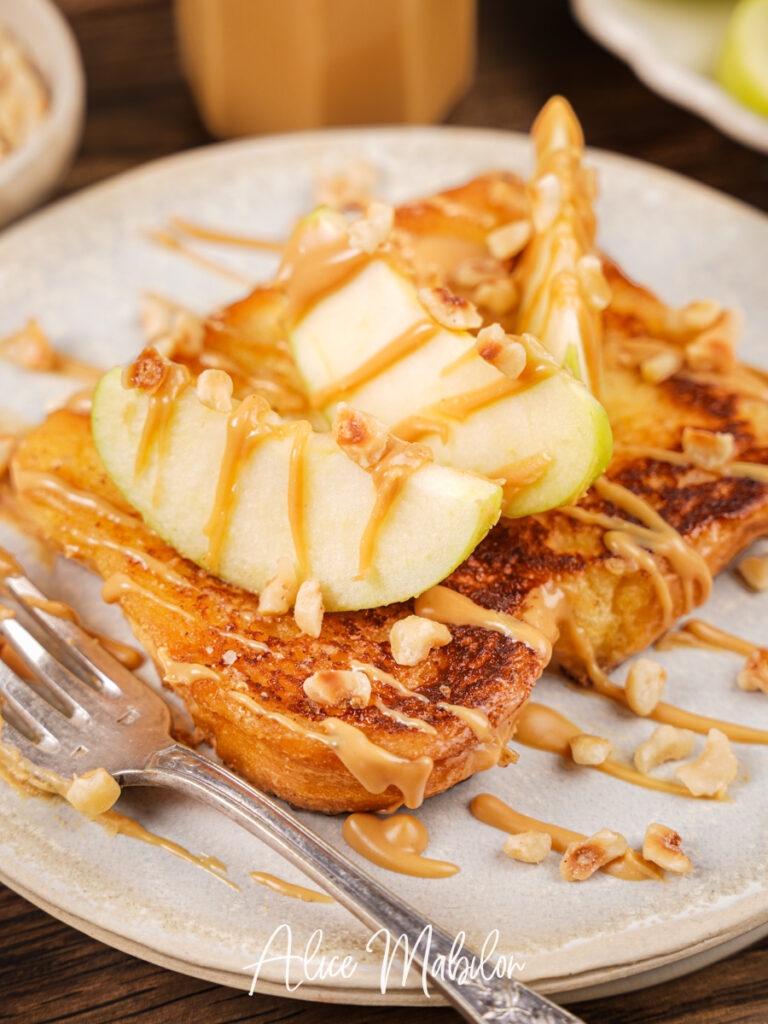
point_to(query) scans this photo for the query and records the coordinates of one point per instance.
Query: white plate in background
(673, 46)
(80, 268)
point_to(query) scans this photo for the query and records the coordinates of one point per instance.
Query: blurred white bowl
(672, 46)
(30, 172)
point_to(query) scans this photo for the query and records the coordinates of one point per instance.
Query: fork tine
(32, 752)
(40, 717)
(80, 700)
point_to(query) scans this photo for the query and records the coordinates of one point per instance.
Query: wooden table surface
(139, 109)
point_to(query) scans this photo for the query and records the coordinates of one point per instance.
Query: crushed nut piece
(449, 310)
(698, 316)
(546, 199)
(361, 437)
(662, 846)
(497, 297)
(333, 687)
(714, 770)
(147, 372)
(214, 389)
(309, 608)
(707, 449)
(754, 572)
(93, 793)
(594, 286)
(591, 750)
(644, 685)
(509, 239)
(29, 348)
(661, 367)
(280, 593)
(349, 188)
(413, 637)
(528, 847)
(754, 675)
(501, 350)
(714, 350)
(372, 230)
(476, 270)
(586, 856)
(229, 657)
(666, 743)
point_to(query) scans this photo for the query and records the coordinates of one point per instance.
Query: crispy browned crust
(477, 670)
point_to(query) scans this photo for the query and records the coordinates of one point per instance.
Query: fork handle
(485, 999)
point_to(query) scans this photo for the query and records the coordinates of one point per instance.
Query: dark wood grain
(140, 109)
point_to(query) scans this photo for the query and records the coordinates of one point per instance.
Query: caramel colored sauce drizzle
(316, 262)
(411, 339)
(301, 434)
(756, 471)
(390, 475)
(374, 768)
(161, 403)
(517, 476)
(395, 843)
(406, 720)
(119, 584)
(632, 867)
(296, 892)
(224, 237)
(441, 604)
(697, 633)
(53, 489)
(545, 729)
(248, 425)
(165, 238)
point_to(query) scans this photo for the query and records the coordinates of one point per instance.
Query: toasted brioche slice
(242, 675)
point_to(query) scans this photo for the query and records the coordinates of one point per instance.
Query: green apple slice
(434, 522)
(370, 342)
(743, 64)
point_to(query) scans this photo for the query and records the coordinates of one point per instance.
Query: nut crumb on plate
(590, 750)
(661, 846)
(644, 686)
(666, 743)
(584, 857)
(714, 770)
(528, 847)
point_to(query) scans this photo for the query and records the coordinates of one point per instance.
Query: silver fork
(87, 711)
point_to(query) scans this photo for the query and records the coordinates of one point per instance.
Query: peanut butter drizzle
(125, 654)
(401, 346)
(697, 633)
(224, 237)
(119, 584)
(441, 604)
(632, 867)
(316, 262)
(170, 241)
(374, 768)
(28, 779)
(414, 427)
(406, 720)
(756, 471)
(517, 476)
(47, 486)
(162, 399)
(545, 729)
(296, 892)
(394, 843)
(247, 427)
(301, 434)
(460, 407)
(390, 475)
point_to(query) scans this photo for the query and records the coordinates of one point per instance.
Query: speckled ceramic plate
(80, 268)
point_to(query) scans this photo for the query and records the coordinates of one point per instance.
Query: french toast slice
(241, 675)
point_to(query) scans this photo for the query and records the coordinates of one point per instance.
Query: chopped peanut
(279, 594)
(214, 389)
(644, 686)
(413, 637)
(586, 856)
(528, 847)
(656, 369)
(372, 230)
(593, 283)
(754, 675)
(501, 350)
(93, 793)
(475, 270)
(362, 438)
(308, 610)
(714, 770)
(449, 310)
(662, 846)
(707, 449)
(667, 743)
(29, 348)
(698, 316)
(509, 239)
(714, 350)
(546, 199)
(498, 296)
(333, 687)
(591, 750)
(754, 572)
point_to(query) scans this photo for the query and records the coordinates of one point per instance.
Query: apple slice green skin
(436, 521)
(557, 415)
